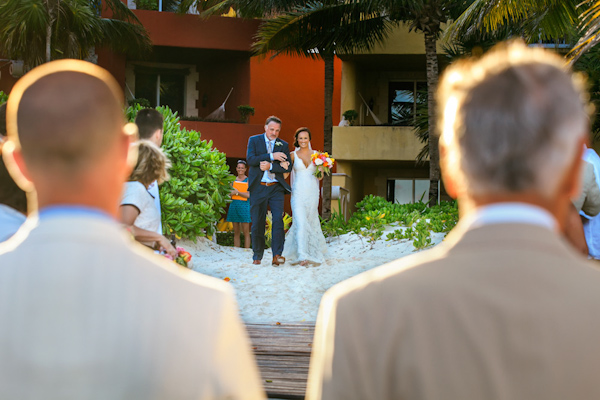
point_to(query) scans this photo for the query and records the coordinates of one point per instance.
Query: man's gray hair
(512, 121)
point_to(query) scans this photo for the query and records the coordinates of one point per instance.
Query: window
(404, 191)
(403, 100)
(161, 87)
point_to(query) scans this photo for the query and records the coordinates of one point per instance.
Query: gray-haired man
(504, 308)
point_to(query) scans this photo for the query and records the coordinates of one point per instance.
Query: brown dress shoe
(277, 260)
(256, 262)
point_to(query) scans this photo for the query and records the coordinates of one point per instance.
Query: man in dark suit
(268, 158)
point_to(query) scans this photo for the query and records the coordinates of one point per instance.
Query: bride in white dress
(304, 242)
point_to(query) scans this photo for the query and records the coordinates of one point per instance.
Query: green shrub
(350, 116)
(193, 200)
(145, 103)
(151, 5)
(245, 112)
(226, 238)
(374, 213)
(3, 97)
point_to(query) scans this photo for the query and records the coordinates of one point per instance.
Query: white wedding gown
(305, 240)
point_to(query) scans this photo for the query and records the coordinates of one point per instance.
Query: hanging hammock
(219, 113)
(377, 120)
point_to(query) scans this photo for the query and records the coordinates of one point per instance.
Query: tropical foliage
(37, 31)
(193, 200)
(534, 20)
(413, 221)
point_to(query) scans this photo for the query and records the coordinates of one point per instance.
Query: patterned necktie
(269, 173)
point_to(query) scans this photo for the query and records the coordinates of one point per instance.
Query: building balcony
(375, 143)
(189, 31)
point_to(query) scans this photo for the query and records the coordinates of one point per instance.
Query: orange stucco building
(196, 62)
(208, 58)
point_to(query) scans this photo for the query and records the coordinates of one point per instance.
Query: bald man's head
(65, 115)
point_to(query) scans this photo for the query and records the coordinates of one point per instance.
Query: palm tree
(329, 26)
(320, 30)
(427, 16)
(38, 31)
(317, 30)
(534, 20)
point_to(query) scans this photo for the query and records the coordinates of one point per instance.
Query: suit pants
(261, 198)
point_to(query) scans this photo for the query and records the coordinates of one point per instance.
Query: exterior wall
(349, 92)
(350, 177)
(229, 138)
(189, 31)
(292, 88)
(114, 63)
(393, 143)
(7, 81)
(401, 41)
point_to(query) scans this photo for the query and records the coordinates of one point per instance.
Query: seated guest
(591, 223)
(138, 210)
(504, 308)
(587, 203)
(588, 200)
(85, 311)
(13, 203)
(150, 126)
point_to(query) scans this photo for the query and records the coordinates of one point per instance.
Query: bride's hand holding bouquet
(323, 162)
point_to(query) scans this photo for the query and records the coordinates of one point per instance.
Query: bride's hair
(299, 131)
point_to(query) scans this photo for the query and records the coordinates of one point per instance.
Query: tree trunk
(432, 82)
(48, 41)
(49, 31)
(328, 131)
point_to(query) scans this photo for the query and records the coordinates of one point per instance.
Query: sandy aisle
(292, 293)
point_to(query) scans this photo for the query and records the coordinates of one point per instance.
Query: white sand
(292, 293)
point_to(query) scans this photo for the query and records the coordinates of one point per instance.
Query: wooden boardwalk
(283, 353)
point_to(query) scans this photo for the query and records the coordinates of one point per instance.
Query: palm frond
(23, 37)
(317, 27)
(124, 37)
(120, 11)
(76, 27)
(531, 19)
(246, 8)
(590, 28)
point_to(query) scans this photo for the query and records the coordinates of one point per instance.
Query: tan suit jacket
(589, 198)
(87, 313)
(503, 311)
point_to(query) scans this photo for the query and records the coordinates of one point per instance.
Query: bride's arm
(286, 174)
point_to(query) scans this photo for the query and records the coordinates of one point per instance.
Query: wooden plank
(283, 354)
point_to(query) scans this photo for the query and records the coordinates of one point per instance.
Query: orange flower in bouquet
(323, 162)
(183, 258)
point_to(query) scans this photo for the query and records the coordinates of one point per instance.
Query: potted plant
(245, 112)
(350, 116)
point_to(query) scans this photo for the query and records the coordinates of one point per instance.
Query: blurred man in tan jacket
(85, 312)
(504, 308)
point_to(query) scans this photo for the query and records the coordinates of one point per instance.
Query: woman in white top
(138, 210)
(13, 203)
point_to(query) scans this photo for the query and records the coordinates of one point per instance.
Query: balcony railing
(384, 143)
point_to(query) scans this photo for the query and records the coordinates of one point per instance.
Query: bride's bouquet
(183, 258)
(324, 161)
